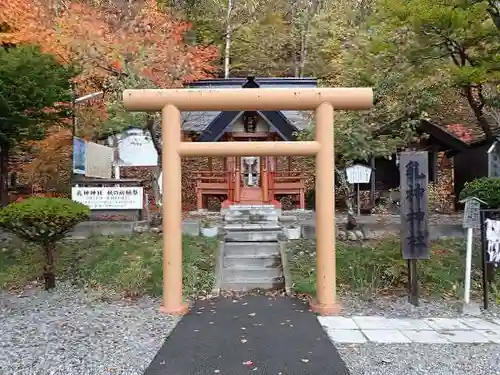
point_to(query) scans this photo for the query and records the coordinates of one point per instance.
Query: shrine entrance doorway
(321, 100)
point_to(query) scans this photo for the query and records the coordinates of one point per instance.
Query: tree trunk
(494, 11)
(4, 175)
(227, 49)
(48, 271)
(155, 132)
(477, 106)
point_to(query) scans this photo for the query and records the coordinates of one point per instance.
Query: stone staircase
(250, 254)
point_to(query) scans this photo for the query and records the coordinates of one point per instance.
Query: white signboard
(99, 161)
(109, 198)
(136, 149)
(358, 174)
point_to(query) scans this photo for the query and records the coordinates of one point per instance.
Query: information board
(109, 198)
(358, 174)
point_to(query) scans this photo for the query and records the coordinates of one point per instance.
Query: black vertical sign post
(414, 170)
(490, 248)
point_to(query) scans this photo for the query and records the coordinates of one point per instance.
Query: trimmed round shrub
(485, 188)
(43, 221)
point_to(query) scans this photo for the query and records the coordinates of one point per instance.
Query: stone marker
(191, 227)
(471, 309)
(308, 231)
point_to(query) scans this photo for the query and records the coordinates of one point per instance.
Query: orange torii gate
(323, 100)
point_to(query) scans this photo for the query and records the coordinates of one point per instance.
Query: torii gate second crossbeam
(323, 100)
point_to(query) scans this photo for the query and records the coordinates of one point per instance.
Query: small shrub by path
(377, 267)
(129, 265)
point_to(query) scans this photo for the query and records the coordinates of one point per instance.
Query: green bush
(486, 188)
(43, 221)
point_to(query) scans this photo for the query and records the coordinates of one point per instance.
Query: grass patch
(130, 265)
(377, 267)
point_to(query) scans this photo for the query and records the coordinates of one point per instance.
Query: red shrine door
(251, 180)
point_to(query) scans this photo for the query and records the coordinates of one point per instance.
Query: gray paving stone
(372, 322)
(386, 336)
(426, 337)
(479, 324)
(337, 322)
(409, 324)
(346, 336)
(446, 324)
(492, 335)
(465, 337)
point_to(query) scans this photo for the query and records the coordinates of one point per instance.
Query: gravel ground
(421, 359)
(69, 332)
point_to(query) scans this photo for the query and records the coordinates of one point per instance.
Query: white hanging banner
(358, 174)
(160, 183)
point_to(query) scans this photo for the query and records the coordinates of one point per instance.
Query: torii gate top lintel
(266, 99)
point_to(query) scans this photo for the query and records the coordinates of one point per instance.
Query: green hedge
(486, 188)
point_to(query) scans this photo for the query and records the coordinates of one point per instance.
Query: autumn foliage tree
(32, 85)
(116, 46)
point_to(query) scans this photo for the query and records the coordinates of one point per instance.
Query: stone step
(252, 261)
(238, 273)
(243, 235)
(251, 227)
(248, 285)
(258, 222)
(237, 207)
(251, 218)
(251, 249)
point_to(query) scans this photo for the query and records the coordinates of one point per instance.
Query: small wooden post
(264, 179)
(237, 179)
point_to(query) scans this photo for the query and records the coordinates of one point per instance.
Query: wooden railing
(283, 182)
(207, 177)
(287, 182)
(287, 177)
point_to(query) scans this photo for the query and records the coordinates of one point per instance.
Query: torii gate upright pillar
(325, 302)
(322, 100)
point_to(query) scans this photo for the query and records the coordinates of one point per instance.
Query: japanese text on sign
(109, 198)
(492, 240)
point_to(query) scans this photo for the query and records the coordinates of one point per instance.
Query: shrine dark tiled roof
(198, 121)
